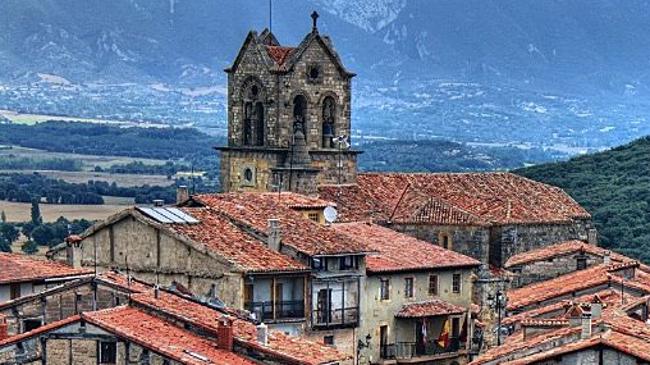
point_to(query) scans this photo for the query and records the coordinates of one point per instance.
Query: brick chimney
(182, 194)
(585, 319)
(263, 334)
(4, 327)
(607, 258)
(225, 334)
(73, 251)
(592, 236)
(274, 235)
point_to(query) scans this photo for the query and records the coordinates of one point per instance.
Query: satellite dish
(330, 214)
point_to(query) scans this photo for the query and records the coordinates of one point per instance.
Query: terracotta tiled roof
(239, 248)
(394, 251)
(291, 348)
(560, 249)
(163, 337)
(254, 210)
(15, 268)
(434, 307)
(279, 54)
(35, 332)
(575, 282)
(608, 296)
(455, 198)
(299, 201)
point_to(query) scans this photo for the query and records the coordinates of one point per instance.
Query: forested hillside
(614, 186)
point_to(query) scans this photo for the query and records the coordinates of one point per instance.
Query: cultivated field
(89, 161)
(77, 177)
(30, 119)
(21, 212)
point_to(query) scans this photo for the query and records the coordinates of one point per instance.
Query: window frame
(384, 289)
(110, 352)
(436, 288)
(14, 291)
(455, 276)
(409, 287)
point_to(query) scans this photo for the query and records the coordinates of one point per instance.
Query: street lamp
(498, 302)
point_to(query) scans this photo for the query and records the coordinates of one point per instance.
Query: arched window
(329, 121)
(299, 114)
(253, 116)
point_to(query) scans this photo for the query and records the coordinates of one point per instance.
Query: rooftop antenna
(192, 179)
(341, 141)
(271, 16)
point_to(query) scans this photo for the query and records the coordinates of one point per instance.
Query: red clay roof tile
(15, 268)
(255, 209)
(393, 251)
(560, 249)
(225, 239)
(429, 308)
(279, 54)
(459, 198)
(163, 337)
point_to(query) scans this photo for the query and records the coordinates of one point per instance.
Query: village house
(592, 330)
(418, 299)
(156, 326)
(269, 254)
(22, 275)
(558, 259)
(488, 216)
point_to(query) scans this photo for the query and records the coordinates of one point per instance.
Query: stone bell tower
(286, 107)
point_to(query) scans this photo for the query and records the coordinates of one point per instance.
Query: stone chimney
(592, 236)
(225, 334)
(274, 235)
(585, 319)
(4, 327)
(263, 334)
(607, 258)
(73, 251)
(182, 194)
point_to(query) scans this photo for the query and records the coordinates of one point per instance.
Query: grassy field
(89, 161)
(125, 180)
(20, 212)
(30, 119)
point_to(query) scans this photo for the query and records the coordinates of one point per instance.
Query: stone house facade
(276, 260)
(155, 326)
(285, 106)
(418, 299)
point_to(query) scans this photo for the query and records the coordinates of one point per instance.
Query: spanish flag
(443, 339)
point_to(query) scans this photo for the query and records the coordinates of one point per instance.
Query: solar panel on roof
(152, 213)
(188, 218)
(169, 215)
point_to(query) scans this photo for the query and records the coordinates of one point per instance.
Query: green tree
(37, 219)
(42, 235)
(29, 247)
(5, 246)
(3, 217)
(9, 232)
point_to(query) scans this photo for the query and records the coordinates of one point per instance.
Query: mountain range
(554, 73)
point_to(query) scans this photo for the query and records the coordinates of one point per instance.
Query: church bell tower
(288, 116)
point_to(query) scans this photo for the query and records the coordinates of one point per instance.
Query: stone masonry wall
(547, 269)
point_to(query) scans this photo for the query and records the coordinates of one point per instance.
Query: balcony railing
(285, 309)
(407, 350)
(387, 351)
(337, 317)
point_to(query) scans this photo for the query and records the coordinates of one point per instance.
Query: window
(313, 216)
(318, 264)
(299, 114)
(248, 175)
(445, 241)
(328, 340)
(581, 262)
(31, 324)
(455, 283)
(433, 284)
(15, 291)
(455, 327)
(408, 287)
(107, 352)
(329, 119)
(313, 73)
(384, 289)
(347, 262)
(253, 133)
